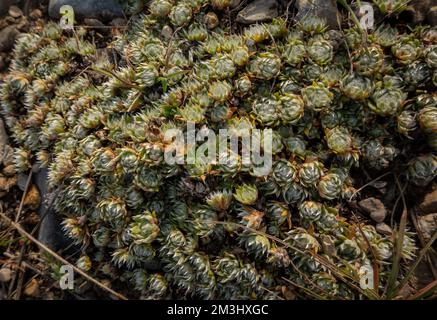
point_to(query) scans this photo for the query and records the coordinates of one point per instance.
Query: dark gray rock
(258, 11)
(50, 231)
(432, 16)
(22, 181)
(8, 36)
(104, 10)
(326, 9)
(4, 6)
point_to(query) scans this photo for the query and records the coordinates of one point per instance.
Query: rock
(22, 181)
(133, 6)
(7, 38)
(167, 32)
(7, 183)
(211, 20)
(9, 20)
(3, 135)
(427, 225)
(118, 22)
(375, 208)
(23, 24)
(4, 6)
(5, 274)
(432, 16)
(9, 171)
(235, 3)
(328, 245)
(258, 11)
(15, 12)
(95, 23)
(384, 229)
(50, 231)
(326, 9)
(429, 203)
(6, 155)
(32, 289)
(32, 200)
(35, 14)
(416, 11)
(104, 10)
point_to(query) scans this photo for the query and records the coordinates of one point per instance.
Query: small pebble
(6, 155)
(7, 38)
(167, 32)
(9, 170)
(9, 20)
(3, 135)
(384, 229)
(118, 22)
(15, 12)
(211, 20)
(36, 14)
(93, 23)
(428, 225)
(5, 274)
(7, 183)
(32, 289)
(429, 204)
(33, 198)
(375, 208)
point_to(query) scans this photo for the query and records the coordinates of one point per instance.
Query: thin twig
(59, 258)
(368, 184)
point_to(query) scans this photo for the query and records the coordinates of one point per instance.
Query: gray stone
(326, 9)
(4, 6)
(7, 38)
(375, 208)
(104, 10)
(22, 181)
(50, 231)
(258, 11)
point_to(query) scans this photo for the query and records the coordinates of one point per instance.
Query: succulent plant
(217, 229)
